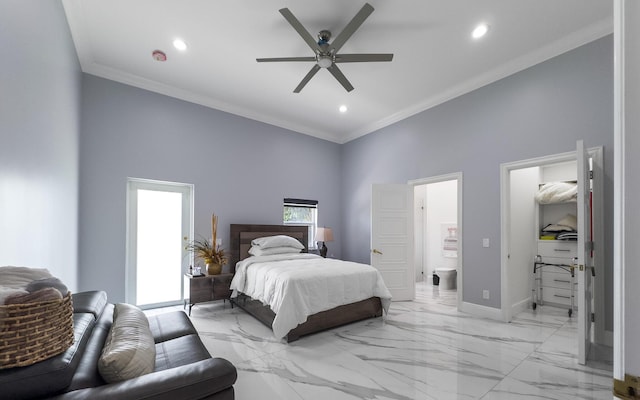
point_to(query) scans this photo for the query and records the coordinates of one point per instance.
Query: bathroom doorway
(438, 234)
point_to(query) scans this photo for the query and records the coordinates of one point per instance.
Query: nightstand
(208, 288)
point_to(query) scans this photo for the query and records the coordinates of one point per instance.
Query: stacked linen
(557, 192)
(21, 285)
(564, 229)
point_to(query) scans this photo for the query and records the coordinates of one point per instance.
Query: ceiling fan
(326, 54)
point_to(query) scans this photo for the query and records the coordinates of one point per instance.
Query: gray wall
(539, 111)
(40, 82)
(241, 169)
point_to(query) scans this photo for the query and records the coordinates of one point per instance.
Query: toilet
(448, 278)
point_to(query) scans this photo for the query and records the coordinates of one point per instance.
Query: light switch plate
(485, 242)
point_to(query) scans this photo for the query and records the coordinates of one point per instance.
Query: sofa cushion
(180, 351)
(90, 302)
(87, 374)
(170, 325)
(129, 350)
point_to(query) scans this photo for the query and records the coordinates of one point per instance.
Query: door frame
(596, 154)
(457, 176)
(130, 241)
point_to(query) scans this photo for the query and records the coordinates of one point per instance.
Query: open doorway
(159, 220)
(438, 234)
(539, 258)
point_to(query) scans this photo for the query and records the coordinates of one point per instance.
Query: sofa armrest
(193, 381)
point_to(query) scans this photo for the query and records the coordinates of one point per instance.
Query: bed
(241, 238)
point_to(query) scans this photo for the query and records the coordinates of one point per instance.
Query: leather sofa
(184, 368)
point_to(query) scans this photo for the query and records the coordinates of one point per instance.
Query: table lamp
(324, 235)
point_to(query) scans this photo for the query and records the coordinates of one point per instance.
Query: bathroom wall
(436, 204)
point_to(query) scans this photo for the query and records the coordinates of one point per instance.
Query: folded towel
(8, 291)
(46, 294)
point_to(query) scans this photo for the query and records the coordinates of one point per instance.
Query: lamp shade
(324, 235)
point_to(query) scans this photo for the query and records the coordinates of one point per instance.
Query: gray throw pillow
(129, 350)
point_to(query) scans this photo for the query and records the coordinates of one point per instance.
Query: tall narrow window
(302, 212)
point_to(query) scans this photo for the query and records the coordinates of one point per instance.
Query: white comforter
(298, 285)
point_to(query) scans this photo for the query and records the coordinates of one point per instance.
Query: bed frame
(241, 237)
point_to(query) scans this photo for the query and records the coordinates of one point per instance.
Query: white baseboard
(481, 311)
(520, 306)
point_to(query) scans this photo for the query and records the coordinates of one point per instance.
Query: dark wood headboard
(243, 234)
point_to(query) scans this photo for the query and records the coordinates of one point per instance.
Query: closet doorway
(438, 231)
(522, 240)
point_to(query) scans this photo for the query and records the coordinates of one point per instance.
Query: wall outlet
(485, 242)
(219, 241)
(485, 294)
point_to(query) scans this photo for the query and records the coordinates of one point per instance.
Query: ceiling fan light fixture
(324, 61)
(343, 109)
(480, 31)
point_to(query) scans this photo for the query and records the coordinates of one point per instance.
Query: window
(302, 212)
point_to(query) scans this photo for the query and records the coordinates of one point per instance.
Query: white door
(585, 259)
(392, 238)
(159, 220)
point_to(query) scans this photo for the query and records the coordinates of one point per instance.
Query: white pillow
(570, 220)
(130, 349)
(557, 228)
(277, 241)
(257, 251)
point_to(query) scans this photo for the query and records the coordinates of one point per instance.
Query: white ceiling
(435, 58)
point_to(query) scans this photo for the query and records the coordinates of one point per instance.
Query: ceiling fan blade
(344, 58)
(306, 78)
(306, 36)
(351, 27)
(335, 71)
(285, 59)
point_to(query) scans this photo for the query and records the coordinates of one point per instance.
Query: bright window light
(159, 246)
(480, 31)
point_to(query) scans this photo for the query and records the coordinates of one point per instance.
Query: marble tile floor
(424, 349)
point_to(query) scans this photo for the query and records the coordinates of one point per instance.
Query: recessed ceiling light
(480, 31)
(180, 44)
(343, 108)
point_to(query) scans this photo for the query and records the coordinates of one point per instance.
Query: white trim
(481, 311)
(619, 313)
(520, 306)
(457, 176)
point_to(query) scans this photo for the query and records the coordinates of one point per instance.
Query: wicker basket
(33, 332)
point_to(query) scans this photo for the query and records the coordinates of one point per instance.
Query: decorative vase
(214, 269)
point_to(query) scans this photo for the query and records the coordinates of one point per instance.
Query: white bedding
(557, 192)
(298, 285)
